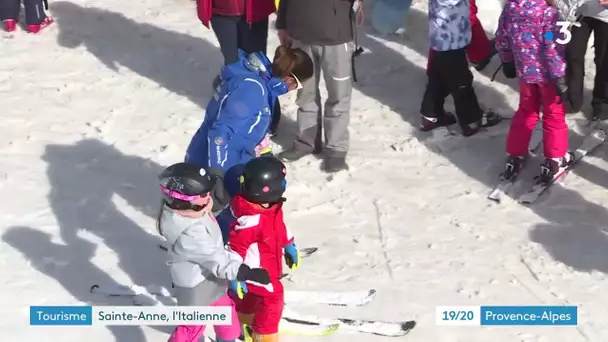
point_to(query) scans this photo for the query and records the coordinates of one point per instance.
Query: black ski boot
(430, 123)
(551, 168)
(513, 167)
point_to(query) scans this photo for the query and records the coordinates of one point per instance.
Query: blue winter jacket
(238, 116)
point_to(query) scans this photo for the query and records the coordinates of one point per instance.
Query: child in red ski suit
(261, 238)
(525, 40)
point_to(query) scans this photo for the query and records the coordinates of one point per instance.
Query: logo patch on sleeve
(219, 141)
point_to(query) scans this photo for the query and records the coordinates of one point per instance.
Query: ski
(144, 294)
(346, 298)
(294, 327)
(592, 141)
(388, 329)
(506, 184)
(304, 252)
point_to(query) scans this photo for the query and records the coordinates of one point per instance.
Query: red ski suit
(261, 10)
(259, 235)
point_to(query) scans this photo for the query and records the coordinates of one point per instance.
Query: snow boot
(38, 27)
(552, 167)
(429, 123)
(10, 25)
(334, 164)
(294, 154)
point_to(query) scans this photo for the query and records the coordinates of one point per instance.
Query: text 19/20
(458, 315)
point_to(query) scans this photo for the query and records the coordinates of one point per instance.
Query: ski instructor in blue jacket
(239, 114)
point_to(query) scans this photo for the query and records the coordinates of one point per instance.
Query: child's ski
(389, 329)
(304, 252)
(347, 298)
(592, 141)
(291, 327)
(507, 183)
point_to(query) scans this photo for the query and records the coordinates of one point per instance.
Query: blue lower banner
(528, 315)
(61, 315)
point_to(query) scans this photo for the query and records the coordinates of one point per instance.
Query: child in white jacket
(448, 72)
(200, 264)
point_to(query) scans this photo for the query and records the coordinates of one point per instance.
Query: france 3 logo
(564, 32)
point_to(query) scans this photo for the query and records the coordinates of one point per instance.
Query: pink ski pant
(533, 97)
(192, 333)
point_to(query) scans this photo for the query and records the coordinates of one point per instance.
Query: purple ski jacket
(526, 34)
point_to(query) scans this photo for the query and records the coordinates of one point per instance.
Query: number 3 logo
(564, 30)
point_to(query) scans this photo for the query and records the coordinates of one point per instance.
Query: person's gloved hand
(562, 89)
(220, 196)
(238, 287)
(258, 275)
(508, 69)
(292, 256)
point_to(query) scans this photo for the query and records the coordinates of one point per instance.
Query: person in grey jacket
(200, 264)
(325, 30)
(570, 9)
(594, 20)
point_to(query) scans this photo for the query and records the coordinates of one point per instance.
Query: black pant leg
(276, 118)
(455, 73)
(226, 31)
(9, 9)
(34, 12)
(600, 88)
(575, 67)
(253, 37)
(436, 91)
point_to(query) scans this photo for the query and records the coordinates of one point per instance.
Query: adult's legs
(34, 12)
(575, 67)
(9, 9)
(253, 37)
(336, 63)
(600, 87)
(227, 34)
(309, 117)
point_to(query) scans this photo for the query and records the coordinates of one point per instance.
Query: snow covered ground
(92, 109)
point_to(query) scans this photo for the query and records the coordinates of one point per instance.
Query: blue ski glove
(292, 256)
(238, 287)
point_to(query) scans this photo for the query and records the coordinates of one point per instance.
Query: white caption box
(458, 315)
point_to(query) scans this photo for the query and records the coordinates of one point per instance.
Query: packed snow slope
(93, 108)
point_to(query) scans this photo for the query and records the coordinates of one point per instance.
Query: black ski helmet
(263, 180)
(182, 183)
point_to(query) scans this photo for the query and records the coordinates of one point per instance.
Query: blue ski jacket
(238, 116)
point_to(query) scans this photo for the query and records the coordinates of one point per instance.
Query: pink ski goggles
(180, 196)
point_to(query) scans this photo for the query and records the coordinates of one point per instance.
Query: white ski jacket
(199, 263)
(449, 24)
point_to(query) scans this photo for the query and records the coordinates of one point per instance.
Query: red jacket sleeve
(203, 10)
(243, 234)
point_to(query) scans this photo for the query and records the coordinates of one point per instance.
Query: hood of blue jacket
(255, 65)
